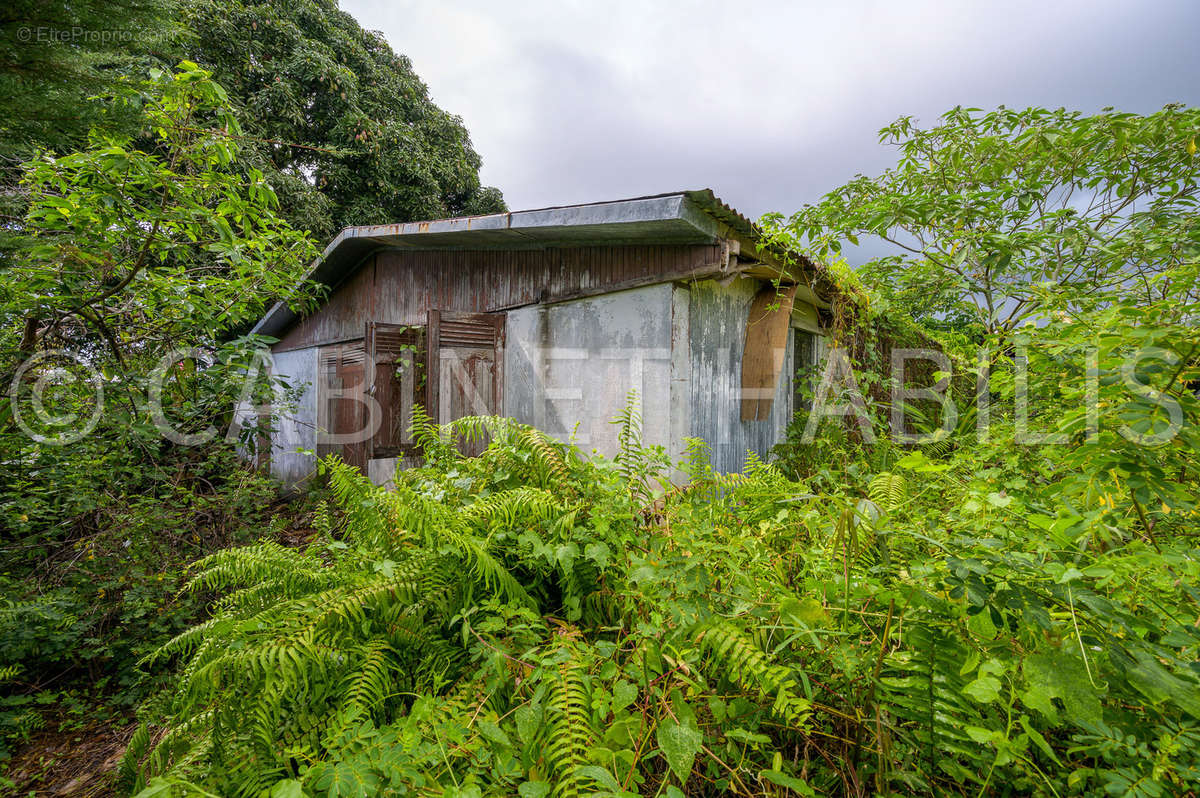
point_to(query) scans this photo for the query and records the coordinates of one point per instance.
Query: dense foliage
(340, 124)
(990, 215)
(148, 242)
(145, 243)
(148, 215)
(57, 58)
(533, 621)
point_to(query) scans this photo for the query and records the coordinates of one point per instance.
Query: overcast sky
(768, 103)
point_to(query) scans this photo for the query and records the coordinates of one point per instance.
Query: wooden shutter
(396, 380)
(344, 417)
(466, 367)
(766, 346)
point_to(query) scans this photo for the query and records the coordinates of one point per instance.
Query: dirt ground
(76, 763)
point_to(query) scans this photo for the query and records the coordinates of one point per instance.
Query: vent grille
(391, 342)
(343, 354)
(467, 333)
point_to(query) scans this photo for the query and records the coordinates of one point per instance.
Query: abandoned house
(551, 317)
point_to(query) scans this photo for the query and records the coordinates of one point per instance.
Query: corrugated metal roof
(679, 217)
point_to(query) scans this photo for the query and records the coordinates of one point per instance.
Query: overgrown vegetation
(1007, 605)
(987, 611)
(139, 258)
(533, 621)
(149, 213)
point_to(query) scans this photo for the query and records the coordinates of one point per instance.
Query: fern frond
(296, 571)
(182, 643)
(428, 436)
(473, 429)
(370, 682)
(549, 456)
(517, 506)
(570, 735)
(128, 774)
(359, 500)
(741, 662)
(887, 490)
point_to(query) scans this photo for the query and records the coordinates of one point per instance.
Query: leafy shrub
(90, 574)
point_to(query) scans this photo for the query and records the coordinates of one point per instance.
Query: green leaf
(534, 789)
(808, 610)
(529, 720)
(624, 694)
(600, 776)
(1069, 575)
(493, 732)
(985, 689)
(780, 779)
(1157, 683)
(289, 788)
(1039, 740)
(679, 745)
(1062, 676)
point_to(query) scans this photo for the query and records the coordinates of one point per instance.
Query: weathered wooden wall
(679, 339)
(399, 287)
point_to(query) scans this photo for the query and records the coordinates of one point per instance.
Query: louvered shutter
(466, 364)
(397, 353)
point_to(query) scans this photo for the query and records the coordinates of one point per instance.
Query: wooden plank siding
(401, 286)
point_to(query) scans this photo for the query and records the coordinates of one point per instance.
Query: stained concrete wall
(569, 366)
(299, 428)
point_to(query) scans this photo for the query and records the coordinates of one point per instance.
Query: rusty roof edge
(718, 209)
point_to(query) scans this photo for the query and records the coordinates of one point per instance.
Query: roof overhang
(683, 217)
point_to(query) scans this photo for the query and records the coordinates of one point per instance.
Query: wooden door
(466, 368)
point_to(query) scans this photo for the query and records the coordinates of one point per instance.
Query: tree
(990, 216)
(1071, 245)
(57, 59)
(341, 125)
(157, 240)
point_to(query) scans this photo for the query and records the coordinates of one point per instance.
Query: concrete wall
(717, 335)
(569, 367)
(297, 430)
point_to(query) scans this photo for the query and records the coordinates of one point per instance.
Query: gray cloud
(770, 104)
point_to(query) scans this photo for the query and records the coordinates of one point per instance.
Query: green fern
(570, 737)
(887, 490)
(736, 658)
(922, 687)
